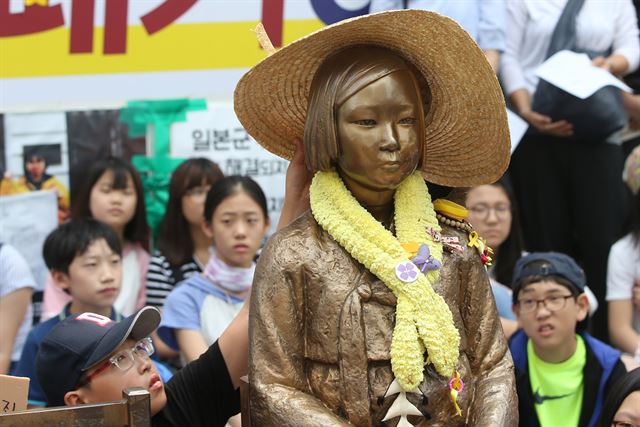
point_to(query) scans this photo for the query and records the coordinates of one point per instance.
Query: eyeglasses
(123, 360)
(482, 211)
(552, 303)
(623, 424)
(199, 191)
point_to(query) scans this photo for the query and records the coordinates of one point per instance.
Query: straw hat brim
(467, 137)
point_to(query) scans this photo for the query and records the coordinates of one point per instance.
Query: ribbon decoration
(456, 385)
(264, 40)
(475, 241)
(450, 242)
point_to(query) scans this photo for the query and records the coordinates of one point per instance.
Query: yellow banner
(179, 47)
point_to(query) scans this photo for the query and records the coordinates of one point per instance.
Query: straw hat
(467, 137)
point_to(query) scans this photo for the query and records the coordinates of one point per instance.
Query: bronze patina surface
(321, 323)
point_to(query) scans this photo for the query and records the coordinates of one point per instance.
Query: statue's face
(379, 133)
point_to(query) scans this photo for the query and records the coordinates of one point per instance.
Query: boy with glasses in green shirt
(562, 373)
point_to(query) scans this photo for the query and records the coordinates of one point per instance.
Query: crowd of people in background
(563, 223)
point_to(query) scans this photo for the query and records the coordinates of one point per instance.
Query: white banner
(98, 54)
(25, 222)
(218, 135)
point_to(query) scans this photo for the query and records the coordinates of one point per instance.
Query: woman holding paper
(556, 174)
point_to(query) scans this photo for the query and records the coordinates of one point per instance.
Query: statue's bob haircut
(339, 77)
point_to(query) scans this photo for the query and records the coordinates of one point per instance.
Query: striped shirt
(162, 277)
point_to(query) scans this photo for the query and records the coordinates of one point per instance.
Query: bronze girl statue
(371, 307)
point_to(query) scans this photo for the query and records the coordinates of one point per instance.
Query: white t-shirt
(623, 271)
(14, 275)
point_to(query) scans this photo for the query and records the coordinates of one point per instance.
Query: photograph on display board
(94, 135)
(35, 157)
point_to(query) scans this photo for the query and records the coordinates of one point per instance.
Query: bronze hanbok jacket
(320, 334)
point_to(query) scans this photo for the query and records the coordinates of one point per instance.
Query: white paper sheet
(517, 128)
(25, 221)
(573, 73)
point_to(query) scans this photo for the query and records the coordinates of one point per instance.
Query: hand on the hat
(298, 180)
(544, 124)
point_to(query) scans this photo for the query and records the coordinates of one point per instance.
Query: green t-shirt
(558, 387)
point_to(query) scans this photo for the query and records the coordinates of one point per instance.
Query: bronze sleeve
(495, 402)
(280, 394)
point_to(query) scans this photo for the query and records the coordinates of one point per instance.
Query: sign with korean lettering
(218, 135)
(13, 393)
(101, 53)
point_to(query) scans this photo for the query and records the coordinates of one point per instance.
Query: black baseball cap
(80, 342)
(548, 264)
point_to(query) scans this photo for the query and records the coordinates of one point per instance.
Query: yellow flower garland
(423, 319)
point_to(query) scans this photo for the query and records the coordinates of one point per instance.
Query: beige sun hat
(467, 137)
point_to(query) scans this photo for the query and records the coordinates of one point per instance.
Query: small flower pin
(407, 272)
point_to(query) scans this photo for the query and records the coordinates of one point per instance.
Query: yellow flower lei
(423, 319)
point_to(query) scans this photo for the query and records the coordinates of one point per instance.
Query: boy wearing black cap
(88, 358)
(562, 373)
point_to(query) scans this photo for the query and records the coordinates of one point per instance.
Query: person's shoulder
(14, 270)
(137, 248)
(606, 355)
(52, 180)
(194, 287)
(300, 233)
(157, 257)
(518, 348)
(8, 253)
(300, 226)
(626, 245)
(159, 265)
(190, 268)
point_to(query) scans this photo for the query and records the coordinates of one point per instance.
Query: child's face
(550, 328)
(193, 204)
(108, 385)
(237, 228)
(36, 166)
(490, 213)
(114, 207)
(94, 277)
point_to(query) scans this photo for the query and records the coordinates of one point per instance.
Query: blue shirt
(484, 20)
(197, 305)
(504, 302)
